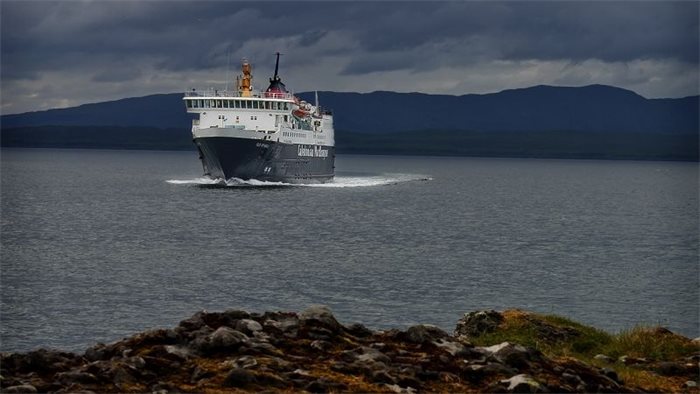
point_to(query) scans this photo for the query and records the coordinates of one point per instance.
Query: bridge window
(255, 105)
(225, 103)
(218, 104)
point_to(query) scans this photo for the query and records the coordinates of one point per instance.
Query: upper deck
(255, 94)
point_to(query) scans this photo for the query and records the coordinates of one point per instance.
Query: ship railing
(237, 93)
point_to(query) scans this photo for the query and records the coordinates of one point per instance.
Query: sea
(97, 245)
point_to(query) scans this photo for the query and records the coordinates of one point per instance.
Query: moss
(558, 336)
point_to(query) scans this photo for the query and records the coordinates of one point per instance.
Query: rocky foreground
(311, 351)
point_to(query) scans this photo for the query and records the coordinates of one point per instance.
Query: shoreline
(489, 351)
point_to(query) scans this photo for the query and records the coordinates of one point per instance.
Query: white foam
(376, 180)
(196, 181)
(339, 181)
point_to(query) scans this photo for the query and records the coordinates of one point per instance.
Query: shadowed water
(97, 245)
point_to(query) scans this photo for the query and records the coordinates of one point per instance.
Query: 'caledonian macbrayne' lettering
(312, 151)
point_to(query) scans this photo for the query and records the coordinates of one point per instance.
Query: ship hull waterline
(265, 160)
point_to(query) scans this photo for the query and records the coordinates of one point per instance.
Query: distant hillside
(158, 110)
(594, 108)
(599, 122)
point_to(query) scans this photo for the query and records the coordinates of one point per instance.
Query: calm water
(97, 245)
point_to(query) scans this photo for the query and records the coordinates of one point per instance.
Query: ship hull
(265, 160)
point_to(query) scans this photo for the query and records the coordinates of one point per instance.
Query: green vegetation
(557, 336)
(650, 343)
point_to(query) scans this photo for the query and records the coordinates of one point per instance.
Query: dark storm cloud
(461, 33)
(199, 35)
(135, 42)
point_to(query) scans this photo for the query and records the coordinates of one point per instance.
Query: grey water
(98, 245)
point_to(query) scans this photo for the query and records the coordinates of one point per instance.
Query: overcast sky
(65, 53)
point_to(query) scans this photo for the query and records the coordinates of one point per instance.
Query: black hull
(228, 157)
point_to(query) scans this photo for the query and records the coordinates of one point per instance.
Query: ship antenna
(277, 66)
(228, 66)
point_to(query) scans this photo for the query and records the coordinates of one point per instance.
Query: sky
(57, 54)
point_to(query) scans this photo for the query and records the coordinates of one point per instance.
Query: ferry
(269, 135)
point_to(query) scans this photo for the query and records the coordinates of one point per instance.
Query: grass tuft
(558, 336)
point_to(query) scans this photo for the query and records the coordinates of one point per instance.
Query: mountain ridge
(537, 108)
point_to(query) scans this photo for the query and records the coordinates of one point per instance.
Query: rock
(97, 352)
(359, 330)
(245, 362)
(381, 376)
(627, 360)
(516, 356)
(227, 338)
(162, 387)
(230, 316)
(322, 385)
(523, 384)
(22, 388)
(408, 381)
(604, 358)
(320, 345)
(199, 374)
(319, 333)
(287, 324)
(475, 373)
(448, 377)
(223, 339)
(154, 337)
(690, 384)
(611, 374)
(668, 368)
(135, 362)
(178, 351)
(193, 323)
(40, 361)
(474, 324)
(121, 376)
(271, 380)
(423, 333)
(160, 365)
(364, 354)
(453, 348)
(319, 315)
(239, 377)
(67, 378)
(248, 326)
(260, 348)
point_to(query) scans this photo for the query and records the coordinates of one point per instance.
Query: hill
(542, 121)
(595, 108)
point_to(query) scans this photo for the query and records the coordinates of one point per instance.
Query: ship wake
(339, 181)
